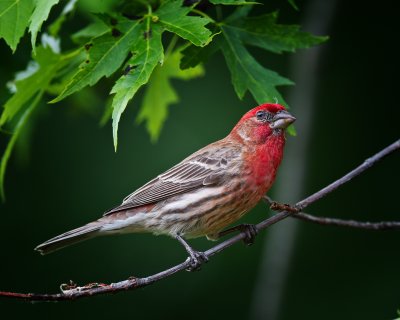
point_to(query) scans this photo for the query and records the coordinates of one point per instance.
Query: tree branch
(72, 291)
(376, 226)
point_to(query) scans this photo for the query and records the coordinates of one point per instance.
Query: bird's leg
(197, 258)
(250, 231)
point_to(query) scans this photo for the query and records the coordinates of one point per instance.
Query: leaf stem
(203, 14)
(148, 18)
(71, 54)
(149, 10)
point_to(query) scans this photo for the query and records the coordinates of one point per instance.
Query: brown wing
(205, 167)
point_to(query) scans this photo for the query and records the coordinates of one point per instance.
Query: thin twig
(71, 291)
(376, 226)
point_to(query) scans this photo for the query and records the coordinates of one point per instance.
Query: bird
(204, 193)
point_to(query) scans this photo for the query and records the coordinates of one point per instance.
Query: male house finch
(205, 192)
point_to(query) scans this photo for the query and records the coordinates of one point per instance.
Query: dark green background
(71, 175)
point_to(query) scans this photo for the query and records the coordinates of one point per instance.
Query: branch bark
(72, 291)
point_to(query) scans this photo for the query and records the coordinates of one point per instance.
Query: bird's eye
(263, 115)
(260, 115)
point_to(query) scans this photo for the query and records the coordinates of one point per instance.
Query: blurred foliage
(125, 40)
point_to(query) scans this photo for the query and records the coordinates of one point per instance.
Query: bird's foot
(196, 259)
(250, 232)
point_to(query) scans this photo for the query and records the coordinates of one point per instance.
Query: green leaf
(40, 14)
(247, 73)
(233, 2)
(148, 52)
(73, 60)
(17, 131)
(28, 87)
(154, 110)
(14, 18)
(160, 94)
(105, 54)
(95, 29)
(173, 17)
(263, 31)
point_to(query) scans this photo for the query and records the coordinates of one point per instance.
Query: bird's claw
(250, 232)
(196, 259)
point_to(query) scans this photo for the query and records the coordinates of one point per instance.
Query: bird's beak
(282, 120)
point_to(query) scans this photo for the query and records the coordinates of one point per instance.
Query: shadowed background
(69, 175)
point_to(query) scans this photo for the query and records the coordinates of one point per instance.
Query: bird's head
(269, 119)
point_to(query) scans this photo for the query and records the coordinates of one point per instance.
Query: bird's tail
(71, 237)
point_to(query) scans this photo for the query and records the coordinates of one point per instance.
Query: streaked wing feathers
(193, 172)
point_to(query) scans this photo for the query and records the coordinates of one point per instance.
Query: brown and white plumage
(203, 193)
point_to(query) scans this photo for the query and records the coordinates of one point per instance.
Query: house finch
(205, 192)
